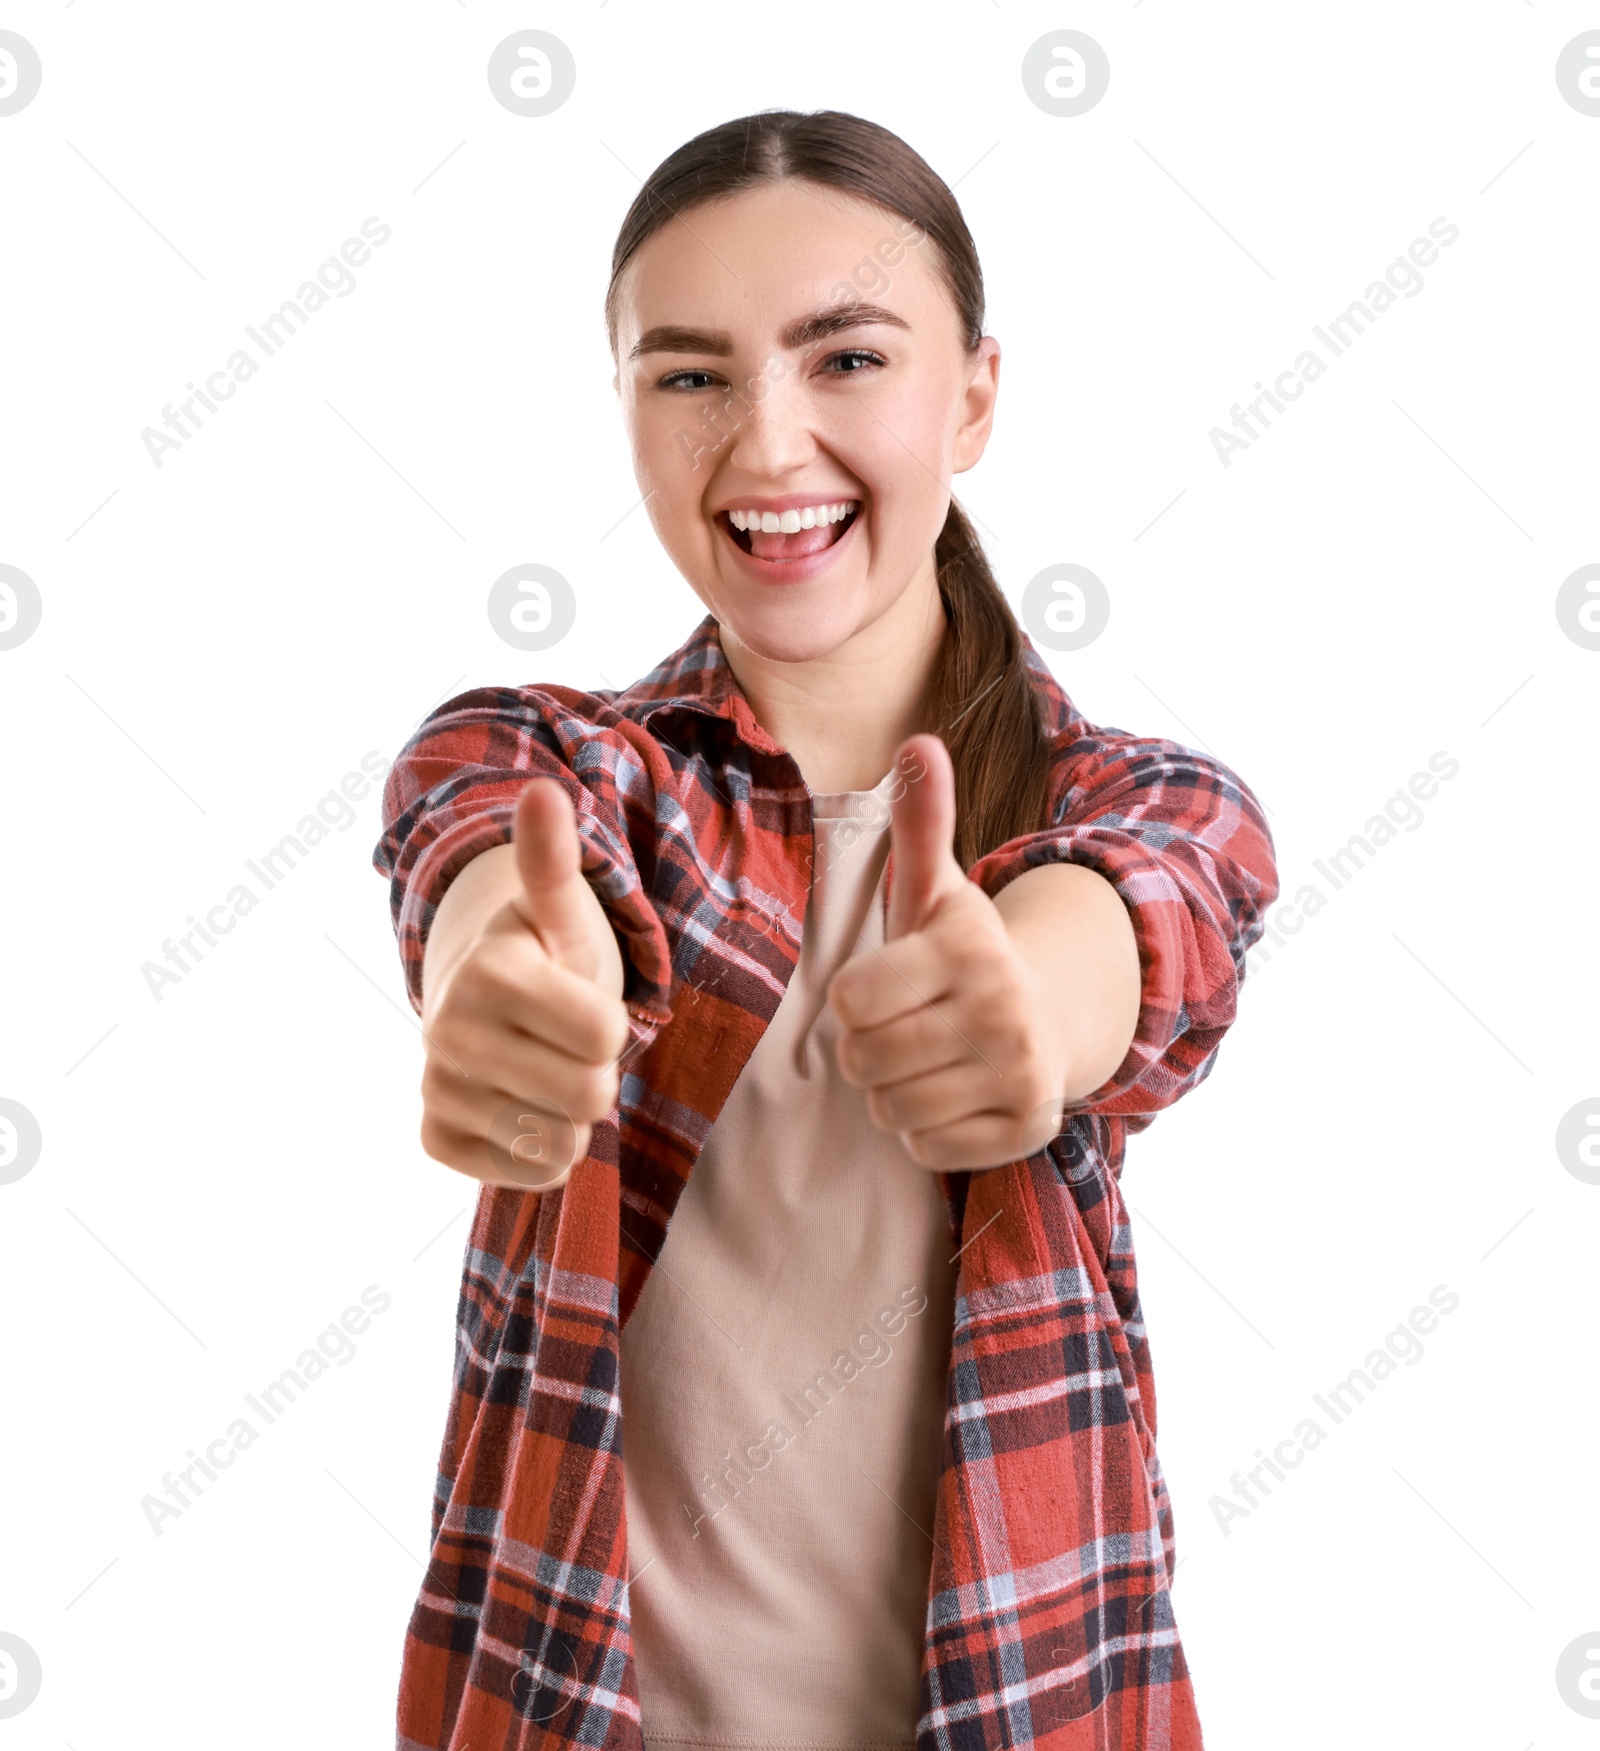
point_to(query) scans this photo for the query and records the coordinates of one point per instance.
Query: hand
(525, 1028)
(945, 1027)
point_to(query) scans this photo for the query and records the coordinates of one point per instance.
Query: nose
(770, 435)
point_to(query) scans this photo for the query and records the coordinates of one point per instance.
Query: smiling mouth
(789, 535)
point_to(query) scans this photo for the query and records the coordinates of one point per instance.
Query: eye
(852, 361)
(682, 380)
(695, 380)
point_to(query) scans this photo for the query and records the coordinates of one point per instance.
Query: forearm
(1076, 938)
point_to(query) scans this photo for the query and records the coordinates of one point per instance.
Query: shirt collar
(697, 678)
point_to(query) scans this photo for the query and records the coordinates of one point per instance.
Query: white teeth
(788, 522)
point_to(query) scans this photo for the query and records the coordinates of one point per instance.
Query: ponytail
(982, 704)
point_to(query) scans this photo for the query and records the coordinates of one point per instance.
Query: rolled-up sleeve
(1187, 846)
(451, 795)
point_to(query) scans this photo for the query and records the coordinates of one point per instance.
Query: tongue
(795, 546)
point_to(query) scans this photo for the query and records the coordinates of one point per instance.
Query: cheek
(664, 431)
(675, 451)
(902, 458)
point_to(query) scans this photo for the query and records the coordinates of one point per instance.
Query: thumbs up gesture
(945, 1027)
(525, 1024)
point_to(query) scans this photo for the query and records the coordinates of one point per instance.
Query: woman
(845, 908)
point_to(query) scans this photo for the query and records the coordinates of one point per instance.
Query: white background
(225, 636)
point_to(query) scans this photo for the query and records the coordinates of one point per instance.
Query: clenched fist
(523, 1013)
(953, 1030)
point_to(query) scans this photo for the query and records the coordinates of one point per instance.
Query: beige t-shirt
(783, 1383)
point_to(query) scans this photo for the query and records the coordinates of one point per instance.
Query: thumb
(553, 899)
(922, 835)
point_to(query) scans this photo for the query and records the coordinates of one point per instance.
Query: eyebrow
(803, 332)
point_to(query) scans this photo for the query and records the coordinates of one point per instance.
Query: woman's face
(781, 353)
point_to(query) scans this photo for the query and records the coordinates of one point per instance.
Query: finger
(936, 1097)
(521, 988)
(928, 1038)
(554, 896)
(529, 1152)
(983, 1140)
(476, 1109)
(878, 984)
(922, 831)
(506, 1067)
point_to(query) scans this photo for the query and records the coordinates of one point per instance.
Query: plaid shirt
(1050, 1621)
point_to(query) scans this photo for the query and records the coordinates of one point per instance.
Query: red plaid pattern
(1050, 1621)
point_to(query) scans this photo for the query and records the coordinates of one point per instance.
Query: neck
(842, 716)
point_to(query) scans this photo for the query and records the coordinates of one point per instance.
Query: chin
(790, 631)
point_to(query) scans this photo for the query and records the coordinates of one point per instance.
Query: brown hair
(980, 700)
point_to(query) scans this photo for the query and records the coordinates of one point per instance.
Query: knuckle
(883, 1109)
(470, 984)
(919, 1145)
(594, 1092)
(966, 947)
(436, 1081)
(446, 1027)
(621, 1030)
(996, 1010)
(842, 998)
(933, 1027)
(590, 1024)
(1036, 1134)
(1016, 1135)
(1024, 1067)
(492, 980)
(440, 1142)
(1040, 1084)
(852, 1058)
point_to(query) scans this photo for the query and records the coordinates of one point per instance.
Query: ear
(977, 406)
